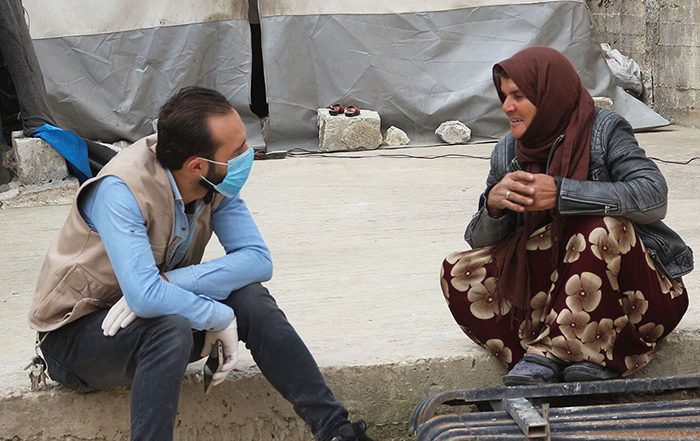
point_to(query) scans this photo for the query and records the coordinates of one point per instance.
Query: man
(122, 298)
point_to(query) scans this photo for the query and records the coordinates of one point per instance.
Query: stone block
(340, 132)
(120, 145)
(454, 132)
(36, 162)
(395, 136)
(603, 102)
(632, 25)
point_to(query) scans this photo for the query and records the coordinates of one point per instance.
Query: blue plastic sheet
(72, 147)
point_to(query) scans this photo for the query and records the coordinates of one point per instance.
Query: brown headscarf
(564, 107)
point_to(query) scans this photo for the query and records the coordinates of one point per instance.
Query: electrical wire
(301, 153)
(669, 161)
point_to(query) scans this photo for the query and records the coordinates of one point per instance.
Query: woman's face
(519, 110)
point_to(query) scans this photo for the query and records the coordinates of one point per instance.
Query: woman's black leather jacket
(622, 181)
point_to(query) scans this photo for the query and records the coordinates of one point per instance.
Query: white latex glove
(119, 317)
(229, 338)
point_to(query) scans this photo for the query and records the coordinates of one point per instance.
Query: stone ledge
(22, 196)
(246, 407)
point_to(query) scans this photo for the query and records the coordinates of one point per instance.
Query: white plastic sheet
(625, 70)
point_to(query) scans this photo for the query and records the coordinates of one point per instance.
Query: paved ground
(357, 245)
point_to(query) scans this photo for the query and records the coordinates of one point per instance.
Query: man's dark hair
(182, 125)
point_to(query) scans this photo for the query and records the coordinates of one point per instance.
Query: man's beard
(213, 178)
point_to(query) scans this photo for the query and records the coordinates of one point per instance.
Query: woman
(572, 275)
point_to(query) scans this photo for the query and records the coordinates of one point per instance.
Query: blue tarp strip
(72, 147)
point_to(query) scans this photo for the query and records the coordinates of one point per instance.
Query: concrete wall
(663, 36)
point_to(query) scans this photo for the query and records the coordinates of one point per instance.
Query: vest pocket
(75, 286)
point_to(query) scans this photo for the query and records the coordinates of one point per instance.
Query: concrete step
(247, 408)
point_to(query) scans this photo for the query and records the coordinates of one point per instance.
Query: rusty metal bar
(545, 415)
(526, 417)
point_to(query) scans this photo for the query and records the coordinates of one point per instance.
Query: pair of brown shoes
(338, 109)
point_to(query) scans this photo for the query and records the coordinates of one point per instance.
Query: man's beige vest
(77, 277)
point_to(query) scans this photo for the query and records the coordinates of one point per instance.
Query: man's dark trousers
(151, 355)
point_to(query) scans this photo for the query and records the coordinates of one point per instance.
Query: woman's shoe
(534, 369)
(588, 371)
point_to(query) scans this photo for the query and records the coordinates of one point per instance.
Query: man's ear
(195, 165)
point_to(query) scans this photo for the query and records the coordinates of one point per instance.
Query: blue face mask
(236, 175)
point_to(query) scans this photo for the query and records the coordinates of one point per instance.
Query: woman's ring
(508, 195)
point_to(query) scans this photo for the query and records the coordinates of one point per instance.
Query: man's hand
(229, 338)
(119, 317)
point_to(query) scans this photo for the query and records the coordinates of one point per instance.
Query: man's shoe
(588, 371)
(352, 432)
(534, 369)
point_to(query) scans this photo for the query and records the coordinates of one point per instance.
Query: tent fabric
(417, 64)
(106, 79)
(23, 67)
(72, 147)
(271, 8)
(81, 17)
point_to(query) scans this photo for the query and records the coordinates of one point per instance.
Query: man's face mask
(236, 175)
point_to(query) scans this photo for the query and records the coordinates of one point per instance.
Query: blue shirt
(194, 291)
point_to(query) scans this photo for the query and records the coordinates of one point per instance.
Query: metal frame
(518, 418)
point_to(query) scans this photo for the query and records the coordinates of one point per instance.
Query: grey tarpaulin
(22, 91)
(22, 65)
(109, 68)
(417, 63)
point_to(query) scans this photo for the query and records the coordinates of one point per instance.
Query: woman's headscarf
(564, 107)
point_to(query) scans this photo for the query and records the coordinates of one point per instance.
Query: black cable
(299, 152)
(402, 156)
(668, 161)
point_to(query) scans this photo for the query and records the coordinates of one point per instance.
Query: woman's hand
(513, 193)
(521, 191)
(544, 193)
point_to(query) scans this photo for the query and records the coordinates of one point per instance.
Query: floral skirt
(605, 301)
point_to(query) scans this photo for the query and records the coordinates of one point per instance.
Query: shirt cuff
(222, 317)
(183, 278)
